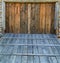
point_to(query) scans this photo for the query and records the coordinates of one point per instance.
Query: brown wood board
(30, 17)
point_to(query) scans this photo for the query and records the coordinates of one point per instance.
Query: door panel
(42, 18)
(48, 18)
(12, 17)
(30, 17)
(24, 18)
(6, 9)
(34, 25)
(52, 30)
(17, 18)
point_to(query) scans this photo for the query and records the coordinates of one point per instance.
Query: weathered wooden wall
(58, 20)
(17, 20)
(0, 16)
(58, 1)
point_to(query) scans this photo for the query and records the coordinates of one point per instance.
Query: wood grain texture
(13, 17)
(34, 26)
(52, 19)
(10, 17)
(29, 49)
(6, 17)
(42, 18)
(30, 18)
(17, 18)
(24, 18)
(48, 18)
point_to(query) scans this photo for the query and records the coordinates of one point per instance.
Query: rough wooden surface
(0, 17)
(34, 25)
(30, 0)
(24, 18)
(42, 18)
(29, 49)
(33, 19)
(17, 18)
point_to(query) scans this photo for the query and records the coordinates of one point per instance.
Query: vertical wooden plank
(29, 17)
(2, 19)
(29, 48)
(24, 59)
(18, 59)
(24, 47)
(42, 18)
(37, 11)
(36, 51)
(17, 18)
(7, 17)
(44, 59)
(52, 18)
(48, 17)
(35, 48)
(9, 21)
(36, 59)
(24, 18)
(56, 16)
(30, 59)
(12, 17)
(34, 26)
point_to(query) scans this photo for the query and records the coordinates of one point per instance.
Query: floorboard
(29, 49)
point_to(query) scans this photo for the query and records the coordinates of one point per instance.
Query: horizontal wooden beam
(47, 45)
(19, 54)
(30, 0)
(28, 38)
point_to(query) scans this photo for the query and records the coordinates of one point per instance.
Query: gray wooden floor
(29, 48)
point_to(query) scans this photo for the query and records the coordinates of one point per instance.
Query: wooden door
(30, 17)
(47, 15)
(16, 18)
